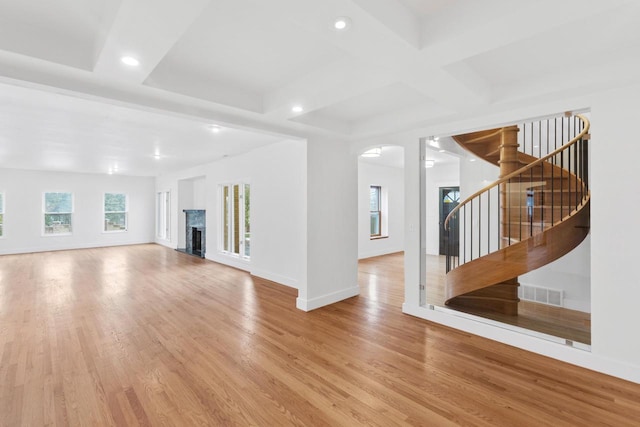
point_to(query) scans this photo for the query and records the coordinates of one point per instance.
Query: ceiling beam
(145, 30)
(379, 47)
(396, 17)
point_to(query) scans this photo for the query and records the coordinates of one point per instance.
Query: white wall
(23, 220)
(277, 175)
(199, 194)
(391, 179)
(332, 224)
(571, 274)
(191, 195)
(615, 272)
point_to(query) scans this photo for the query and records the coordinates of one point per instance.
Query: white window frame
(125, 212)
(230, 211)
(379, 211)
(383, 208)
(163, 215)
(45, 213)
(4, 202)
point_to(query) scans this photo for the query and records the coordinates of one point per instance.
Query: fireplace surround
(195, 233)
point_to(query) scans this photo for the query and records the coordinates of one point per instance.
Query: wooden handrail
(521, 170)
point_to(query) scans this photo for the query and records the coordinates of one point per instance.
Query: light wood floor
(143, 335)
(382, 278)
(556, 321)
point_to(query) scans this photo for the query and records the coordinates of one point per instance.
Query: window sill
(57, 234)
(378, 237)
(114, 231)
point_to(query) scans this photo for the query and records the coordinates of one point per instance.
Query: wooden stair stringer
(519, 258)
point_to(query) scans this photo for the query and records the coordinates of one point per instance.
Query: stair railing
(524, 203)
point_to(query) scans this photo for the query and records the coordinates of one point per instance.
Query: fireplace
(195, 237)
(196, 240)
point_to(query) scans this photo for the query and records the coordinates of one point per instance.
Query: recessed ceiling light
(130, 61)
(342, 23)
(429, 163)
(297, 109)
(472, 160)
(214, 128)
(441, 150)
(110, 171)
(156, 156)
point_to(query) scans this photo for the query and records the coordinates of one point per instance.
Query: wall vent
(541, 295)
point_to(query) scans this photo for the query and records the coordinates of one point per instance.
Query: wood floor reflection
(556, 321)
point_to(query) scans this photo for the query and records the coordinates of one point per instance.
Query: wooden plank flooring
(143, 335)
(557, 321)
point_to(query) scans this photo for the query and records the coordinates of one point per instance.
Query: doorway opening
(448, 200)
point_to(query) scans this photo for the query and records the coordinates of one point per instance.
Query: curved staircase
(536, 212)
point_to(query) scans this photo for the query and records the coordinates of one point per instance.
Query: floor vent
(541, 295)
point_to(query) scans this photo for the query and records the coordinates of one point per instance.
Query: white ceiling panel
(48, 131)
(374, 103)
(69, 32)
(235, 44)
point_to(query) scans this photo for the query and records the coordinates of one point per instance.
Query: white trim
(233, 261)
(321, 301)
(125, 212)
(44, 213)
(274, 277)
(164, 242)
(163, 215)
(2, 212)
(67, 247)
(573, 355)
(380, 252)
(241, 217)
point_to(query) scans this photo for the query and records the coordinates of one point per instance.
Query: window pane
(115, 202)
(247, 223)
(58, 202)
(115, 221)
(57, 223)
(374, 196)
(375, 223)
(1, 214)
(236, 219)
(225, 231)
(159, 213)
(167, 215)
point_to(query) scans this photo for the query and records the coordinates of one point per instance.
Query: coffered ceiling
(67, 102)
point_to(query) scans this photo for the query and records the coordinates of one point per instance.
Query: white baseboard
(69, 247)
(555, 350)
(321, 301)
(166, 243)
(274, 277)
(578, 305)
(371, 254)
(238, 263)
